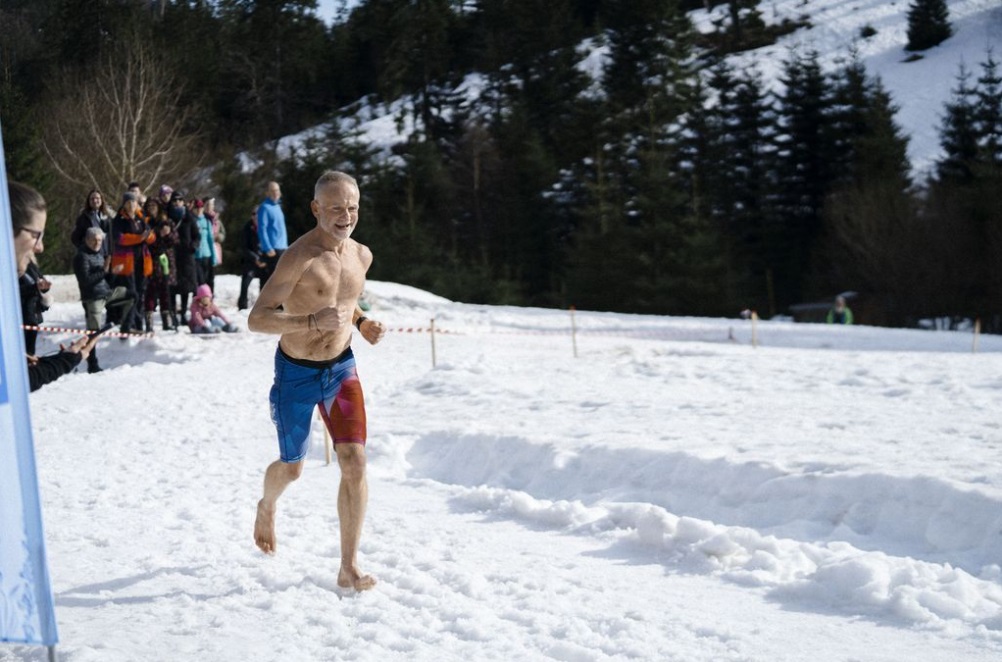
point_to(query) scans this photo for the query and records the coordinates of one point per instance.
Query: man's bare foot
(352, 578)
(264, 528)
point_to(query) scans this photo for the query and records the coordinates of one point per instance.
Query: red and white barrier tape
(83, 332)
(708, 336)
(420, 329)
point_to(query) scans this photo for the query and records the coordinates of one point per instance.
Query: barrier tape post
(977, 332)
(754, 329)
(574, 333)
(432, 342)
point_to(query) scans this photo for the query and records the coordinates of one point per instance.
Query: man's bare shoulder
(307, 246)
(363, 253)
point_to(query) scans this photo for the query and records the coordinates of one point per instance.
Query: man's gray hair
(333, 177)
(94, 233)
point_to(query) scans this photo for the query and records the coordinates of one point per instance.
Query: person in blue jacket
(271, 229)
(205, 251)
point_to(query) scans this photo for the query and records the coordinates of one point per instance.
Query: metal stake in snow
(977, 332)
(432, 342)
(574, 333)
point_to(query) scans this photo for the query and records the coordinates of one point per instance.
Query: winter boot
(149, 322)
(166, 318)
(92, 365)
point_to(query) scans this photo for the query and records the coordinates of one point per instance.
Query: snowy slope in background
(920, 89)
(672, 493)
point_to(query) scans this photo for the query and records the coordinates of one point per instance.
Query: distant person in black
(252, 265)
(95, 214)
(184, 254)
(28, 216)
(33, 288)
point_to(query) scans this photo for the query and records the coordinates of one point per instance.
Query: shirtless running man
(311, 301)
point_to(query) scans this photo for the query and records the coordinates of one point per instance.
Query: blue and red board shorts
(301, 385)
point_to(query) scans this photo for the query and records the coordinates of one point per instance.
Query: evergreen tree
(22, 137)
(418, 63)
(745, 22)
(869, 242)
(958, 135)
(804, 172)
(88, 28)
(964, 199)
(638, 193)
(928, 24)
(533, 110)
(986, 204)
(988, 113)
(866, 142)
(736, 176)
(269, 81)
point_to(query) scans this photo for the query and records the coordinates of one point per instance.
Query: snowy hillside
(919, 88)
(672, 493)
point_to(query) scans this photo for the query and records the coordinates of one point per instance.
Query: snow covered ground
(672, 493)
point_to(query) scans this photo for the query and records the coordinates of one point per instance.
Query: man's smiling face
(336, 209)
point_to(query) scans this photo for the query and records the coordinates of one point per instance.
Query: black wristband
(358, 322)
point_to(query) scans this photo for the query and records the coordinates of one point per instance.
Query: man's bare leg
(353, 495)
(277, 477)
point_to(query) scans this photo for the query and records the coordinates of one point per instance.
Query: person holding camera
(28, 216)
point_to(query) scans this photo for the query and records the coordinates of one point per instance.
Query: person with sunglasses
(28, 216)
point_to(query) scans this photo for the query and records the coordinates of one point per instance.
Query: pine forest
(665, 180)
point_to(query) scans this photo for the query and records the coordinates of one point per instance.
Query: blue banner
(27, 612)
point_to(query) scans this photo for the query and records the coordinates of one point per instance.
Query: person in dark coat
(95, 214)
(252, 266)
(96, 294)
(188, 239)
(164, 278)
(33, 287)
(28, 216)
(131, 263)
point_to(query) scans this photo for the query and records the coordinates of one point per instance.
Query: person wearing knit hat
(184, 254)
(165, 192)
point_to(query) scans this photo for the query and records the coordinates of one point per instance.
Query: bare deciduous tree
(127, 121)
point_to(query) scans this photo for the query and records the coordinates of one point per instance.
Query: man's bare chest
(328, 282)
